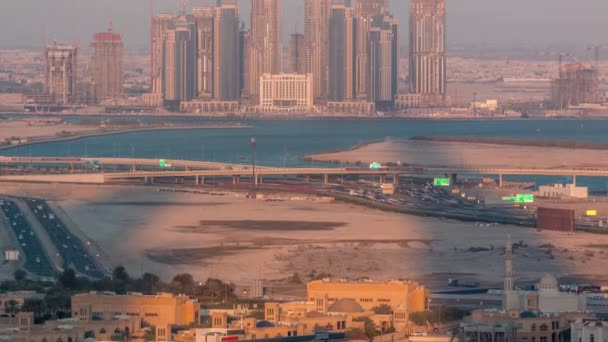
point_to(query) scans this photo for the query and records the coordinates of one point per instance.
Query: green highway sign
(520, 198)
(441, 182)
(375, 166)
(162, 163)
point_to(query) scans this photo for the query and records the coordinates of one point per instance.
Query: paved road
(36, 260)
(73, 252)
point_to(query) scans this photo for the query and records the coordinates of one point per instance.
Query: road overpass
(132, 163)
(198, 170)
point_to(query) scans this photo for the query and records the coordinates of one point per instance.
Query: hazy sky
(28, 23)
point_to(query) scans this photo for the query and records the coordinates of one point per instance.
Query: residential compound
(334, 305)
(161, 311)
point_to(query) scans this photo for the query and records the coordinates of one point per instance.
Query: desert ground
(463, 154)
(24, 129)
(225, 235)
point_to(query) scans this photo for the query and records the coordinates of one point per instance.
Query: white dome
(548, 282)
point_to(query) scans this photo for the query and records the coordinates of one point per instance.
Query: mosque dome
(346, 305)
(548, 282)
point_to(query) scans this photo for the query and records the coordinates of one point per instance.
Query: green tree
(20, 275)
(183, 283)
(11, 307)
(68, 279)
(383, 309)
(120, 274)
(89, 334)
(369, 326)
(36, 306)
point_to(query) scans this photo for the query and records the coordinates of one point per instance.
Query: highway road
(36, 261)
(73, 252)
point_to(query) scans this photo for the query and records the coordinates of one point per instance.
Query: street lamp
(253, 145)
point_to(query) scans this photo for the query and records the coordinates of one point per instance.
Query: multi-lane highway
(72, 250)
(36, 260)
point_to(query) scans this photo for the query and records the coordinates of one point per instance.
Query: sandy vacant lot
(456, 154)
(24, 130)
(237, 239)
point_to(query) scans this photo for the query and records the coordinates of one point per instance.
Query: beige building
(410, 296)
(559, 190)
(286, 93)
(107, 63)
(22, 329)
(316, 44)
(160, 25)
(61, 67)
(205, 24)
(160, 310)
(265, 44)
(427, 59)
(351, 107)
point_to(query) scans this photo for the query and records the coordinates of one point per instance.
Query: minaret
(509, 266)
(511, 300)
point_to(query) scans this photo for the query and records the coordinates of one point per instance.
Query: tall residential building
(180, 61)
(296, 53)
(160, 26)
(576, 84)
(341, 53)
(265, 49)
(365, 11)
(427, 70)
(371, 8)
(205, 25)
(383, 74)
(227, 54)
(316, 42)
(107, 63)
(61, 66)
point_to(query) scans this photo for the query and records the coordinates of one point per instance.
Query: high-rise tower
(341, 52)
(60, 72)
(296, 53)
(180, 58)
(227, 52)
(266, 48)
(205, 25)
(316, 44)
(107, 63)
(160, 26)
(383, 60)
(427, 59)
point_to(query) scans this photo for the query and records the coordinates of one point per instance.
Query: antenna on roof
(110, 26)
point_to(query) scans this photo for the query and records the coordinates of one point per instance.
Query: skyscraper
(383, 60)
(371, 8)
(160, 26)
(107, 63)
(265, 50)
(341, 52)
(296, 53)
(61, 66)
(365, 11)
(227, 54)
(316, 41)
(205, 24)
(180, 61)
(427, 60)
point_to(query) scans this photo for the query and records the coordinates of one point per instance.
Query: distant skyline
(29, 23)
